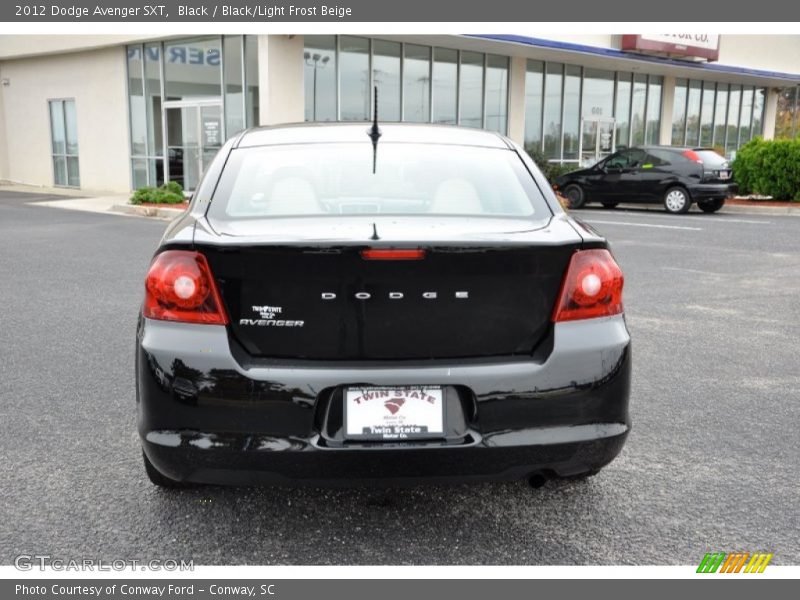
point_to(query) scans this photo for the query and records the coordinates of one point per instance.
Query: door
(597, 140)
(194, 135)
(623, 175)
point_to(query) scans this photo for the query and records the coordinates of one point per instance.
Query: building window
(354, 88)
(64, 135)
(445, 86)
(386, 76)
(471, 89)
(534, 88)
(320, 78)
(787, 117)
(496, 117)
(415, 83)
(652, 133)
(566, 102)
(189, 86)
(719, 115)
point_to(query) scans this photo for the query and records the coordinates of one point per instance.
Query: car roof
(315, 133)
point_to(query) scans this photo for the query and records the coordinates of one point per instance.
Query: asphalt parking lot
(712, 463)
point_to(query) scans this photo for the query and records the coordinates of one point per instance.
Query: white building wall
(96, 80)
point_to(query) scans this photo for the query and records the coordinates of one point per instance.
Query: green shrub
(169, 193)
(145, 195)
(769, 167)
(173, 186)
(551, 171)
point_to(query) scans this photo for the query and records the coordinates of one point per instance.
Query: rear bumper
(206, 414)
(713, 191)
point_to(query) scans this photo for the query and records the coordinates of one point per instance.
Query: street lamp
(317, 61)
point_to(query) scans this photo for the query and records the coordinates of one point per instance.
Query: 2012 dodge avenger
(403, 302)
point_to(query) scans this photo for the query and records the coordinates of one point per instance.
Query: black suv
(673, 175)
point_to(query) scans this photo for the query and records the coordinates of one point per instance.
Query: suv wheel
(574, 193)
(711, 206)
(677, 200)
(157, 478)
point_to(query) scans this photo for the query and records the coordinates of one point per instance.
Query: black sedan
(674, 176)
(338, 305)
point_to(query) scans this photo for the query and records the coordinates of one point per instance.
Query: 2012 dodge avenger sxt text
(345, 303)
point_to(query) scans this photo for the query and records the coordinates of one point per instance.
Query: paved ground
(712, 463)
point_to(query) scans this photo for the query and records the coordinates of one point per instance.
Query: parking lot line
(645, 225)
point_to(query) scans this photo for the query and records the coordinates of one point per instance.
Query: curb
(148, 211)
(762, 210)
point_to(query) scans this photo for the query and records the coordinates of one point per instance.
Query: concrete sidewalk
(71, 199)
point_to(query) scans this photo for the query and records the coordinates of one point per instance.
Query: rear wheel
(574, 193)
(711, 206)
(156, 477)
(610, 204)
(677, 200)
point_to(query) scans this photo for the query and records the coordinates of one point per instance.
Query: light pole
(317, 61)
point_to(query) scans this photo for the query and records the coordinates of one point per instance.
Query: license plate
(394, 413)
(724, 174)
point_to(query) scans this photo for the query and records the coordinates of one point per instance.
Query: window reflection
(386, 77)
(354, 78)
(320, 78)
(445, 90)
(496, 93)
(534, 85)
(471, 89)
(416, 83)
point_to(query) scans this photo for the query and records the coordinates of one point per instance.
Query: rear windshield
(711, 159)
(409, 179)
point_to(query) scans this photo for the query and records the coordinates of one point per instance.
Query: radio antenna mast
(375, 133)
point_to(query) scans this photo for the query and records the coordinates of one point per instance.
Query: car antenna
(374, 133)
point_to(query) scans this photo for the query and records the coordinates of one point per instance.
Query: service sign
(685, 45)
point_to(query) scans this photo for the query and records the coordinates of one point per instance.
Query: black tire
(156, 477)
(711, 206)
(673, 203)
(610, 204)
(574, 195)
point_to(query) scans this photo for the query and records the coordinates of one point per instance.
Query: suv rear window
(409, 179)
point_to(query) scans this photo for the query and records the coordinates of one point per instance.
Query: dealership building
(111, 113)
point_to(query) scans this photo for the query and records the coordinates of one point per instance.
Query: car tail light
(591, 288)
(693, 156)
(393, 254)
(180, 287)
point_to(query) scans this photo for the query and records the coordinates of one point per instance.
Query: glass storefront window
(64, 143)
(746, 115)
(152, 94)
(732, 129)
(572, 117)
(233, 72)
(251, 79)
(445, 86)
(693, 113)
(496, 93)
(787, 115)
(534, 85)
(653, 111)
(720, 115)
(354, 89)
(553, 84)
(679, 113)
(707, 114)
(598, 94)
(416, 83)
(622, 111)
(471, 89)
(386, 77)
(638, 107)
(320, 77)
(758, 111)
(136, 107)
(192, 69)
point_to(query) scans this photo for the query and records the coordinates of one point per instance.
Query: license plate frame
(725, 174)
(382, 418)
